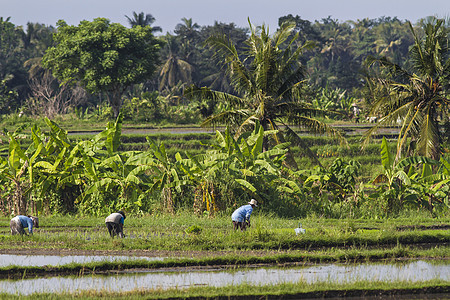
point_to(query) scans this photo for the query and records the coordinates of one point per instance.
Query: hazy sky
(168, 13)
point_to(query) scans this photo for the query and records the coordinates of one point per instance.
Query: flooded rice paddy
(55, 260)
(350, 129)
(332, 273)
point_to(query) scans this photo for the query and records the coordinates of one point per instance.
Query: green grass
(268, 233)
(299, 290)
(71, 122)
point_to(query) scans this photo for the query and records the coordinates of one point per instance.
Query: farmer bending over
(114, 223)
(241, 216)
(18, 224)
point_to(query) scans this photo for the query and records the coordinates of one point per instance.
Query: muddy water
(413, 271)
(54, 260)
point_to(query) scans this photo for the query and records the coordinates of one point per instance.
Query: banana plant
(109, 172)
(120, 174)
(17, 169)
(339, 179)
(164, 174)
(244, 160)
(51, 167)
(401, 183)
(430, 182)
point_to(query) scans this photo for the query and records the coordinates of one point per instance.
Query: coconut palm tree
(175, 69)
(187, 29)
(393, 39)
(142, 19)
(267, 80)
(416, 98)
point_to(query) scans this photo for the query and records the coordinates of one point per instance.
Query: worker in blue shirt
(114, 223)
(241, 216)
(18, 223)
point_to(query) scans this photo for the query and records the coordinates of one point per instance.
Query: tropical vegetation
(417, 98)
(267, 82)
(103, 57)
(269, 92)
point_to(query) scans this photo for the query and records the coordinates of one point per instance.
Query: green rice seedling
(268, 232)
(301, 289)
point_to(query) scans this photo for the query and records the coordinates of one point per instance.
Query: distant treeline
(335, 60)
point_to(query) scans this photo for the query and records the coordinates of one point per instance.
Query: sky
(168, 13)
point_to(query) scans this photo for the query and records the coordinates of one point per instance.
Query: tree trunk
(168, 199)
(115, 100)
(20, 202)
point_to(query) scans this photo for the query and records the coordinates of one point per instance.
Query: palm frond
(388, 120)
(394, 69)
(428, 143)
(247, 124)
(295, 139)
(194, 92)
(230, 117)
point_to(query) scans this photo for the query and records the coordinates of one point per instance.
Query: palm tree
(418, 98)
(362, 40)
(37, 39)
(175, 69)
(188, 29)
(267, 81)
(142, 19)
(336, 61)
(393, 40)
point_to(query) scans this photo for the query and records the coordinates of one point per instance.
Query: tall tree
(103, 56)
(418, 97)
(36, 40)
(175, 69)
(210, 69)
(142, 19)
(306, 30)
(393, 39)
(335, 62)
(267, 81)
(187, 29)
(12, 72)
(362, 39)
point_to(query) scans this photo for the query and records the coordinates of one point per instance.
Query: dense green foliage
(418, 98)
(335, 62)
(267, 84)
(103, 56)
(92, 175)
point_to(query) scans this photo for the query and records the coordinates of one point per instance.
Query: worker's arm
(30, 225)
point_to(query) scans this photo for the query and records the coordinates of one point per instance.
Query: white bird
(299, 230)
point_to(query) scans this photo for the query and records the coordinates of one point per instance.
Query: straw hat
(253, 202)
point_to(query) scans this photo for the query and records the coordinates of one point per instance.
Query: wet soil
(146, 253)
(183, 266)
(424, 227)
(429, 293)
(108, 269)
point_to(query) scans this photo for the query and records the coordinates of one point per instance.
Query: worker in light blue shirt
(241, 216)
(18, 223)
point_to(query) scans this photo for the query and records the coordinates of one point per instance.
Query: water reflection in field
(413, 272)
(55, 260)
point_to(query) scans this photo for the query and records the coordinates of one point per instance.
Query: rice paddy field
(182, 255)
(71, 253)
